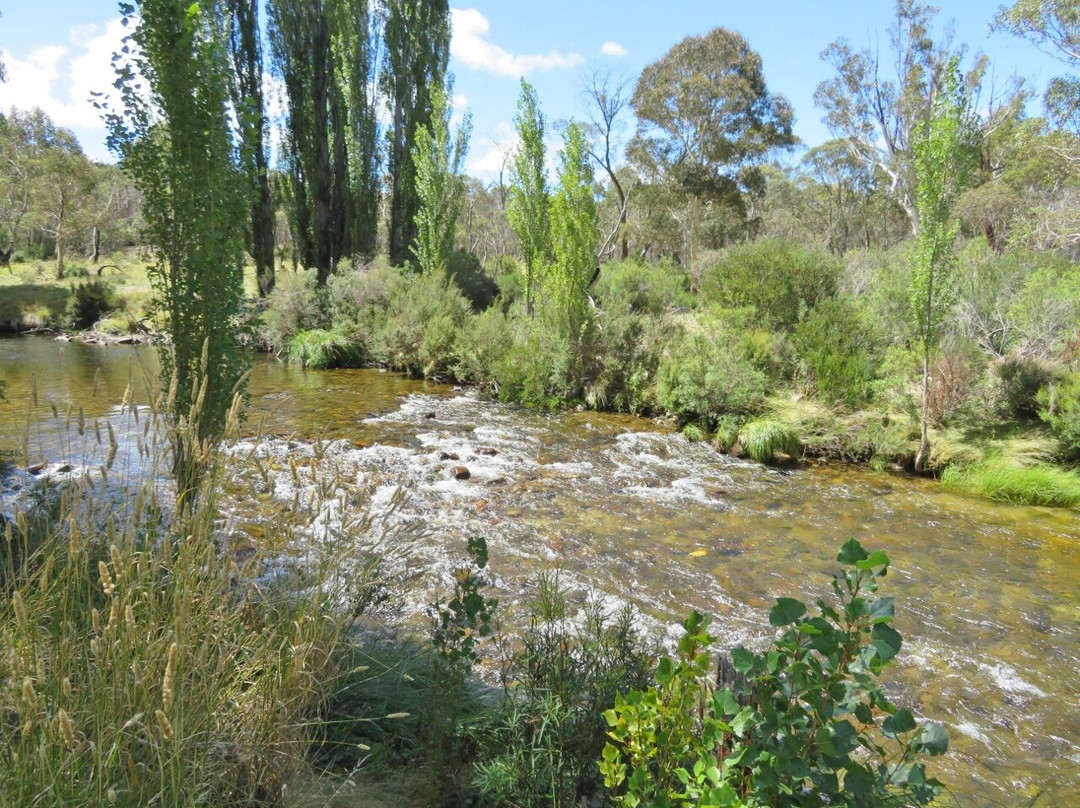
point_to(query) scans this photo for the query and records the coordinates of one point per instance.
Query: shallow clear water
(988, 595)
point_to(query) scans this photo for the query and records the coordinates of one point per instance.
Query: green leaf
(725, 703)
(933, 740)
(851, 553)
(875, 559)
(886, 641)
(786, 611)
(903, 721)
(881, 610)
(742, 660)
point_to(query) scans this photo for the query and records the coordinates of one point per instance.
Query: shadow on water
(987, 596)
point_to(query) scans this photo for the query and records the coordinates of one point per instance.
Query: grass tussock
(1000, 479)
(764, 438)
(320, 349)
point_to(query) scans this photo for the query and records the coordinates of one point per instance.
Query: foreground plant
(804, 724)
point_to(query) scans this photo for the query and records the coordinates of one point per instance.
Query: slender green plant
(530, 201)
(439, 157)
(174, 137)
(574, 233)
(940, 163)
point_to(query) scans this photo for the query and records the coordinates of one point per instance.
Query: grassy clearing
(1008, 481)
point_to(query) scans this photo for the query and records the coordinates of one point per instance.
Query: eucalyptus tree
(942, 156)
(706, 121)
(877, 105)
(574, 234)
(173, 134)
(608, 98)
(246, 52)
(529, 208)
(439, 157)
(416, 35)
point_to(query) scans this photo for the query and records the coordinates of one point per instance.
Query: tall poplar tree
(529, 209)
(175, 138)
(416, 34)
(246, 50)
(574, 233)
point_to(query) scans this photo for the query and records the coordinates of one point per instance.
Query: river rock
(448, 456)
(36, 468)
(487, 451)
(460, 473)
(430, 416)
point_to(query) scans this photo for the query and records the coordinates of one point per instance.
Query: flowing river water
(988, 595)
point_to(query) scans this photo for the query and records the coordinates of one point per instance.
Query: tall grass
(764, 438)
(143, 663)
(1035, 484)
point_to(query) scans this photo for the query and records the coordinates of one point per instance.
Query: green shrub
(643, 288)
(840, 349)
(780, 279)
(468, 275)
(704, 376)
(542, 367)
(89, 302)
(484, 343)
(292, 306)
(804, 724)
(1059, 407)
(539, 748)
(421, 327)
(1035, 484)
(1021, 378)
(764, 438)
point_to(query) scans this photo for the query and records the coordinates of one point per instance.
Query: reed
(1034, 484)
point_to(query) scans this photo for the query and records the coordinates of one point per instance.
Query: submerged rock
(460, 473)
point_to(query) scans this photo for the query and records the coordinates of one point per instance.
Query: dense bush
(840, 350)
(468, 275)
(89, 302)
(1059, 406)
(421, 330)
(643, 288)
(293, 306)
(1021, 378)
(703, 376)
(781, 280)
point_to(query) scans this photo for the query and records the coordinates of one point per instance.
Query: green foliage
(529, 210)
(764, 438)
(1059, 406)
(89, 302)
(1021, 380)
(574, 234)
(539, 748)
(468, 275)
(292, 306)
(781, 280)
(321, 349)
(840, 348)
(804, 724)
(421, 329)
(439, 161)
(460, 623)
(643, 288)
(703, 376)
(174, 137)
(1025, 484)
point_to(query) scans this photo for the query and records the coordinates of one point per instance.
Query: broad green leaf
(886, 641)
(903, 721)
(786, 611)
(851, 553)
(881, 610)
(933, 739)
(875, 559)
(742, 660)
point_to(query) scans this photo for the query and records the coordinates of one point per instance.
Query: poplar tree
(174, 137)
(941, 160)
(416, 34)
(574, 233)
(439, 157)
(529, 208)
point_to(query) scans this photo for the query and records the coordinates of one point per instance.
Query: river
(988, 598)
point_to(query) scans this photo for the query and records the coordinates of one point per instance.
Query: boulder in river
(460, 473)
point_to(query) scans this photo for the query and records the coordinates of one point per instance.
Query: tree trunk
(924, 427)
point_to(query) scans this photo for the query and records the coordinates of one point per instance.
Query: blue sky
(57, 52)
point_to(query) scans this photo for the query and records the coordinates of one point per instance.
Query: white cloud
(471, 45)
(613, 49)
(490, 158)
(60, 78)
